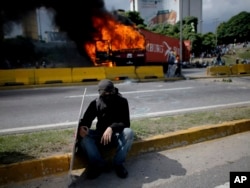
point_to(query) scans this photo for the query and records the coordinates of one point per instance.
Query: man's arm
(123, 121)
(124, 116)
(89, 115)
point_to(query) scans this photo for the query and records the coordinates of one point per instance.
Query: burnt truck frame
(122, 57)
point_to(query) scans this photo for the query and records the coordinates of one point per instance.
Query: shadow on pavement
(144, 169)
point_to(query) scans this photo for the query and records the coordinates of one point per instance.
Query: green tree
(166, 29)
(237, 27)
(135, 17)
(208, 41)
(196, 41)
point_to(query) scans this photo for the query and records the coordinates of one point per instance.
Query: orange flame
(113, 35)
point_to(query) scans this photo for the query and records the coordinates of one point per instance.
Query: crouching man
(112, 131)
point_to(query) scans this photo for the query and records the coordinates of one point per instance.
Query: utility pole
(181, 18)
(201, 26)
(216, 25)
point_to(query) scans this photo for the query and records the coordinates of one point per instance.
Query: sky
(214, 11)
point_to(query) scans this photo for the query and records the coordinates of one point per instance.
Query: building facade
(167, 11)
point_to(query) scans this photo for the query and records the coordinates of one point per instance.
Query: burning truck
(118, 44)
(104, 38)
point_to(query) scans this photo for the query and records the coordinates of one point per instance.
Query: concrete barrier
(88, 74)
(218, 70)
(25, 76)
(234, 69)
(17, 77)
(149, 72)
(76, 75)
(247, 68)
(228, 70)
(120, 73)
(241, 69)
(60, 164)
(7, 76)
(53, 75)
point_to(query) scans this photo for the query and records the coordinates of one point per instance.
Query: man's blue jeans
(121, 141)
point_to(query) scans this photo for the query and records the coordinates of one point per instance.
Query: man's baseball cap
(106, 85)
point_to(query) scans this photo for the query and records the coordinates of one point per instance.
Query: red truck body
(156, 52)
(159, 46)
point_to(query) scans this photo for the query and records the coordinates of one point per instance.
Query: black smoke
(74, 17)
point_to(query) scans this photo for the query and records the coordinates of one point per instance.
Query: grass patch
(240, 53)
(20, 147)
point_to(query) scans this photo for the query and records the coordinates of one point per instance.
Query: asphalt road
(25, 109)
(202, 165)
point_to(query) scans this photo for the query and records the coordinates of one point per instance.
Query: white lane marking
(190, 109)
(133, 92)
(152, 114)
(226, 185)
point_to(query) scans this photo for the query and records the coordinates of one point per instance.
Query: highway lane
(59, 106)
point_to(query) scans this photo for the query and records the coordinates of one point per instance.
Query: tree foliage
(135, 17)
(235, 29)
(208, 41)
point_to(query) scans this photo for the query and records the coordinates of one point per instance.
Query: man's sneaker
(121, 171)
(93, 173)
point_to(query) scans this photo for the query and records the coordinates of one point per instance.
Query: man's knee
(128, 133)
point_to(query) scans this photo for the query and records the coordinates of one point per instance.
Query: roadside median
(58, 164)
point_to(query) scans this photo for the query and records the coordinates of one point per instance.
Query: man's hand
(83, 131)
(106, 137)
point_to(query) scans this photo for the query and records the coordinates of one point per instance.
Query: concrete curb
(32, 169)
